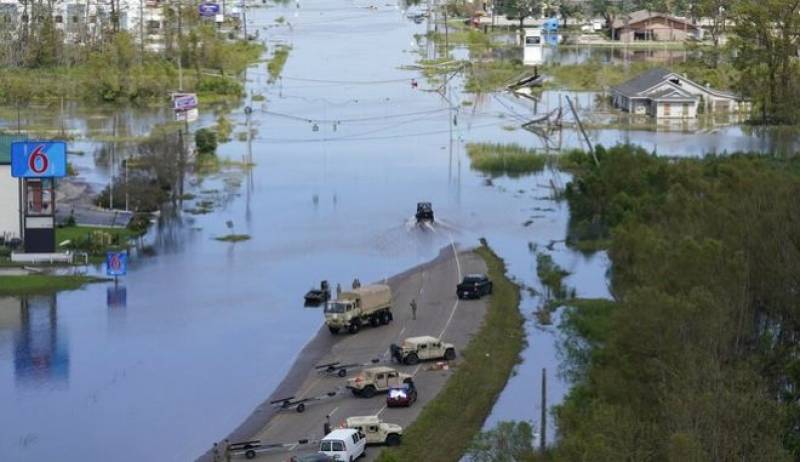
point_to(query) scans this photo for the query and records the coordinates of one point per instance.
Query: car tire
(250, 454)
(411, 359)
(334, 330)
(368, 391)
(449, 354)
(301, 408)
(393, 439)
(342, 372)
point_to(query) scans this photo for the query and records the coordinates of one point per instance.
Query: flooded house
(654, 26)
(664, 94)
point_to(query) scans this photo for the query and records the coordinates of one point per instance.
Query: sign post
(37, 164)
(116, 264)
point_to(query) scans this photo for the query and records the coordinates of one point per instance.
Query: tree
(206, 141)
(506, 442)
(521, 9)
(766, 41)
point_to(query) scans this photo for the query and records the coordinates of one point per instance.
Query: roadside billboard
(184, 101)
(38, 159)
(208, 9)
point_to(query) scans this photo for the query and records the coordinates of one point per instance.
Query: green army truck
(354, 309)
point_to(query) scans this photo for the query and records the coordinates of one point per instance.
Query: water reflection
(41, 356)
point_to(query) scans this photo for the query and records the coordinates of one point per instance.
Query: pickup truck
(474, 286)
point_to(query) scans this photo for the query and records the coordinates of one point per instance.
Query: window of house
(75, 19)
(58, 19)
(685, 108)
(667, 109)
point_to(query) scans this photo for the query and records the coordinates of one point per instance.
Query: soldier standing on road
(216, 452)
(356, 283)
(326, 428)
(413, 309)
(338, 290)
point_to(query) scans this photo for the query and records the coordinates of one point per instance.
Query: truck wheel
(342, 372)
(356, 392)
(375, 320)
(450, 354)
(354, 327)
(368, 391)
(250, 454)
(301, 408)
(334, 330)
(411, 359)
(393, 439)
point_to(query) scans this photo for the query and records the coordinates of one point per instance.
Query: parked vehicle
(424, 212)
(404, 395)
(376, 379)
(474, 286)
(416, 349)
(318, 457)
(344, 444)
(375, 430)
(351, 310)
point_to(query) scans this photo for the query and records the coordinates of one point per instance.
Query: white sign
(190, 115)
(219, 18)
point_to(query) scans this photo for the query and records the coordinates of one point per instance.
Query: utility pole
(580, 126)
(543, 424)
(180, 48)
(127, 196)
(141, 31)
(182, 154)
(111, 163)
(247, 111)
(244, 19)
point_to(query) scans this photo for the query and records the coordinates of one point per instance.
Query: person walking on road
(413, 309)
(326, 427)
(338, 290)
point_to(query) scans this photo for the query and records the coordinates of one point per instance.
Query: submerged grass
(233, 238)
(505, 159)
(275, 65)
(36, 284)
(446, 426)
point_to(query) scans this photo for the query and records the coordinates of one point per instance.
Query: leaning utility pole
(543, 424)
(580, 127)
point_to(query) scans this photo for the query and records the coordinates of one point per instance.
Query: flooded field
(201, 331)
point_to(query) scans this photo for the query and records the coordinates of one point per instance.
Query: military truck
(376, 379)
(352, 310)
(376, 430)
(416, 349)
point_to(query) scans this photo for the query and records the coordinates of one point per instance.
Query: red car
(402, 395)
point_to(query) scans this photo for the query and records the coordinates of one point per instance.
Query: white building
(663, 94)
(9, 194)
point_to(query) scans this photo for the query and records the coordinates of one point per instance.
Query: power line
(347, 82)
(360, 119)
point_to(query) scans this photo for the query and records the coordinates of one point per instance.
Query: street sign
(208, 9)
(220, 18)
(184, 101)
(38, 159)
(116, 263)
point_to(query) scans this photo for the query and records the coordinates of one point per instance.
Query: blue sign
(38, 159)
(208, 9)
(116, 263)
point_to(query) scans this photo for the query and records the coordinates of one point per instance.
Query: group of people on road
(356, 285)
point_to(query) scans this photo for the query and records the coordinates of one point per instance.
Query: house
(9, 193)
(650, 25)
(663, 94)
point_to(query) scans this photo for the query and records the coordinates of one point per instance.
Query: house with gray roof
(664, 94)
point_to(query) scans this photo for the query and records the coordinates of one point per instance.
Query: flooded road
(204, 330)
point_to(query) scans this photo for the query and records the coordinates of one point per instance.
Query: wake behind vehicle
(474, 286)
(352, 310)
(375, 430)
(416, 349)
(376, 379)
(424, 212)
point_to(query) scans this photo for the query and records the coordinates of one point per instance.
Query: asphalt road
(439, 313)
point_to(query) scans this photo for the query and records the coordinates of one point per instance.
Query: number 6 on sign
(116, 263)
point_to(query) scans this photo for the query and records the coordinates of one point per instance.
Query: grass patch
(275, 65)
(233, 238)
(505, 159)
(446, 426)
(95, 241)
(488, 76)
(36, 284)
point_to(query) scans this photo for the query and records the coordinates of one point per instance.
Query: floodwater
(198, 334)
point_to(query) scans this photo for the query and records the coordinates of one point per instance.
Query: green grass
(77, 233)
(42, 284)
(233, 238)
(489, 76)
(275, 65)
(505, 159)
(446, 426)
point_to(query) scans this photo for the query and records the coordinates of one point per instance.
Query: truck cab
(375, 430)
(361, 306)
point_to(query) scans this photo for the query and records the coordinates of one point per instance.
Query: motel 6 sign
(38, 159)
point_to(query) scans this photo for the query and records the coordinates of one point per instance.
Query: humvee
(375, 379)
(416, 349)
(376, 430)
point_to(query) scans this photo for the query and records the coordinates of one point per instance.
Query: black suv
(474, 286)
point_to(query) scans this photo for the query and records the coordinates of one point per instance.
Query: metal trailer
(249, 449)
(338, 369)
(299, 405)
